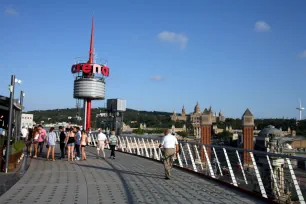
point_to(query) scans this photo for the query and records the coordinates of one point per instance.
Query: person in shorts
(101, 143)
(83, 144)
(70, 143)
(51, 141)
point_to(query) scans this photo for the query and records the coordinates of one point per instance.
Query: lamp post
(10, 119)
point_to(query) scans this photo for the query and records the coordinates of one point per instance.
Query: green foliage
(139, 131)
(155, 131)
(183, 134)
(155, 119)
(224, 135)
(17, 147)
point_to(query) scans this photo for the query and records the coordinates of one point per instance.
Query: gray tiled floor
(128, 179)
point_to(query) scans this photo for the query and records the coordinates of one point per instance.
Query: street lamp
(11, 89)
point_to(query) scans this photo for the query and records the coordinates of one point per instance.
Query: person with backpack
(112, 144)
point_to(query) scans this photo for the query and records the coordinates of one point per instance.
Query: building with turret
(182, 117)
(195, 117)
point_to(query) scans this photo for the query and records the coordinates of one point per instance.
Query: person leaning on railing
(171, 148)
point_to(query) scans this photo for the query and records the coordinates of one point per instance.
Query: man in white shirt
(24, 133)
(101, 143)
(171, 147)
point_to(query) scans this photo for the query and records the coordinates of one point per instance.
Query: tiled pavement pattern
(127, 179)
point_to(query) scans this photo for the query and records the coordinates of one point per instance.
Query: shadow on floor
(115, 170)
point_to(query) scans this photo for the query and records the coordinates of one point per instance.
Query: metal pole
(7, 153)
(85, 115)
(20, 115)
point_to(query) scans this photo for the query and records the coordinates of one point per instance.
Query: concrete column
(248, 135)
(206, 126)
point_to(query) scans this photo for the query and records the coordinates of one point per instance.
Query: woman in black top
(70, 138)
(62, 142)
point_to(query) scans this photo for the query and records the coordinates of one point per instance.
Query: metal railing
(279, 177)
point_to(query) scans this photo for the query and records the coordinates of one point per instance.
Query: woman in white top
(36, 136)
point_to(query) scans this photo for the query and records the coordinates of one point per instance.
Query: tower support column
(248, 136)
(206, 125)
(88, 115)
(85, 114)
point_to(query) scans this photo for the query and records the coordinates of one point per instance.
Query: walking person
(24, 133)
(112, 144)
(51, 141)
(101, 143)
(35, 141)
(62, 142)
(83, 144)
(70, 138)
(67, 130)
(171, 147)
(29, 141)
(77, 132)
(42, 138)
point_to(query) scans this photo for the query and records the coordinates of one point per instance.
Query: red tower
(248, 135)
(90, 61)
(206, 125)
(89, 83)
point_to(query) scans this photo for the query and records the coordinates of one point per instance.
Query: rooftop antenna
(300, 109)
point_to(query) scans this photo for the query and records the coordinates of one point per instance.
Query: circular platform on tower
(92, 88)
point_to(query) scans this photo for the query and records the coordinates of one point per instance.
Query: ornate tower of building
(174, 116)
(183, 111)
(248, 135)
(221, 118)
(206, 125)
(197, 108)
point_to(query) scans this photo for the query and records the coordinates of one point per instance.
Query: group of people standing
(35, 138)
(72, 142)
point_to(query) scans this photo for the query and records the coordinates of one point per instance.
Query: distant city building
(195, 118)
(182, 117)
(27, 120)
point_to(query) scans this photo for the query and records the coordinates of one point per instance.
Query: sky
(162, 55)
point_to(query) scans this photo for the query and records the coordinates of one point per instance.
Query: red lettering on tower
(90, 68)
(86, 68)
(105, 70)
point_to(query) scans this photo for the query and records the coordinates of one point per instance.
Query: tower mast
(90, 61)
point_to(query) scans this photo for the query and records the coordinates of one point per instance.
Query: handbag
(47, 146)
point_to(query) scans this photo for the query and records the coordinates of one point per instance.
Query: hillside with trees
(156, 119)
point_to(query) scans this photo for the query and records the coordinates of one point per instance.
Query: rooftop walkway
(127, 179)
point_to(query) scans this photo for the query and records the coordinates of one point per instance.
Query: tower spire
(91, 49)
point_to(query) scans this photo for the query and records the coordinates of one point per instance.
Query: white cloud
(171, 37)
(302, 54)
(261, 26)
(157, 78)
(10, 11)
